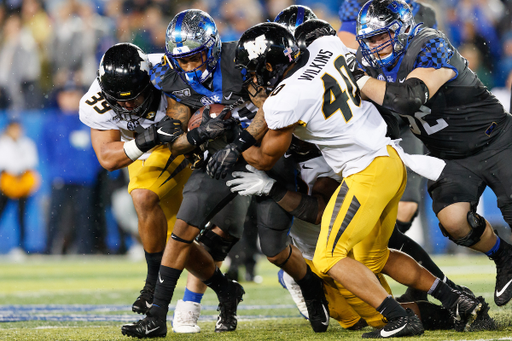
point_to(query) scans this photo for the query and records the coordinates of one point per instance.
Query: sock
(153, 261)
(400, 241)
(434, 317)
(165, 285)
(218, 283)
(403, 226)
(309, 285)
(495, 248)
(191, 296)
(391, 309)
(443, 293)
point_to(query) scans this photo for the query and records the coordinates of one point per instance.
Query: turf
(89, 298)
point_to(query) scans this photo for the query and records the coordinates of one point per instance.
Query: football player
(416, 72)
(129, 128)
(409, 204)
(316, 99)
(203, 72)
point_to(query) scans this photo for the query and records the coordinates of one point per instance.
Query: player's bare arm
(109, 149)
(183, 113)
(258, 126)
(273, 145)
(375, 89)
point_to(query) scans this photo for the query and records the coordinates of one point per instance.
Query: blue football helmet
(189, 32)
(393, 17)
(294, 15)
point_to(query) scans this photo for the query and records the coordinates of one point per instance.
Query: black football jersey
(463, 116)
(424, 14)
(226, 83)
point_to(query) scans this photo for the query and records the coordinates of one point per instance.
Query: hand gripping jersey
(96, 113)
(463, 116)
(320, 94)
(226, 86)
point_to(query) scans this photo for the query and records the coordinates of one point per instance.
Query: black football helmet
(308, 32)
(292, 16)
(123, 76)
(266, 50)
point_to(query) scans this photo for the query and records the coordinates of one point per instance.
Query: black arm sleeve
(406, 98)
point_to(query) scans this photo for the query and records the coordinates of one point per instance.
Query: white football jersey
(321, 96)
(96, 113)
(304, 234)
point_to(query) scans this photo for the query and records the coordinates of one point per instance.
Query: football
(197, 117)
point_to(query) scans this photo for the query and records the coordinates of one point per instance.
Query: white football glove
(254, 182)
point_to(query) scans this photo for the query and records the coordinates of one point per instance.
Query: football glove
(210, 128)
(223, 161)
(253, 182)
(165, 131)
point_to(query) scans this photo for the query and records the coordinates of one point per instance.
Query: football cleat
(293, 288)
(318, 309)
(144, 301)
(185, 317)
(503, 260)
(464, 311)
(148, 327)
(483, 321)
(227, 320)
(409, 325)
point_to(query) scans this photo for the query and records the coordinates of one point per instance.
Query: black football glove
(223, 161)
(210, 128)
(165, 131)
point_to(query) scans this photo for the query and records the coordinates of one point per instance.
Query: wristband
(244, 141)
(277, 192)
(132, 151)
(362, 81)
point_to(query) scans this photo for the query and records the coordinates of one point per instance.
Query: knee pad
(477, 224)
(216, 246)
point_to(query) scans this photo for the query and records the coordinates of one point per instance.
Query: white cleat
(185, 317)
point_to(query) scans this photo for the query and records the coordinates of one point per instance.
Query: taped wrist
(307, 209)
(132, 151)
(277, 192)
(406, 98)
(244, 141)
(194, 138)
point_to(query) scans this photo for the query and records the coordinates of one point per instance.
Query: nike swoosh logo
(286, 155)
(149, 305)
(228, 97)
(160, 279)
(306, 167)
(401, 80)
(152, 330)
(326, 323)
(500, 292)
(161, 132)
(384, 333)
(457, 315)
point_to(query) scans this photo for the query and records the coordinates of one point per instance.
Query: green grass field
(89, 298)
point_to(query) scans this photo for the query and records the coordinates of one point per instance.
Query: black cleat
(144, 301)
(464, 311)
(434, 317)
(483, 321)
(412, 295)
(409, 325)
(318, 310)
(227, 320)
(148, 327)
(503, 260)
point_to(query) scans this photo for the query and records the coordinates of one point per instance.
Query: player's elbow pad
(406, 98)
